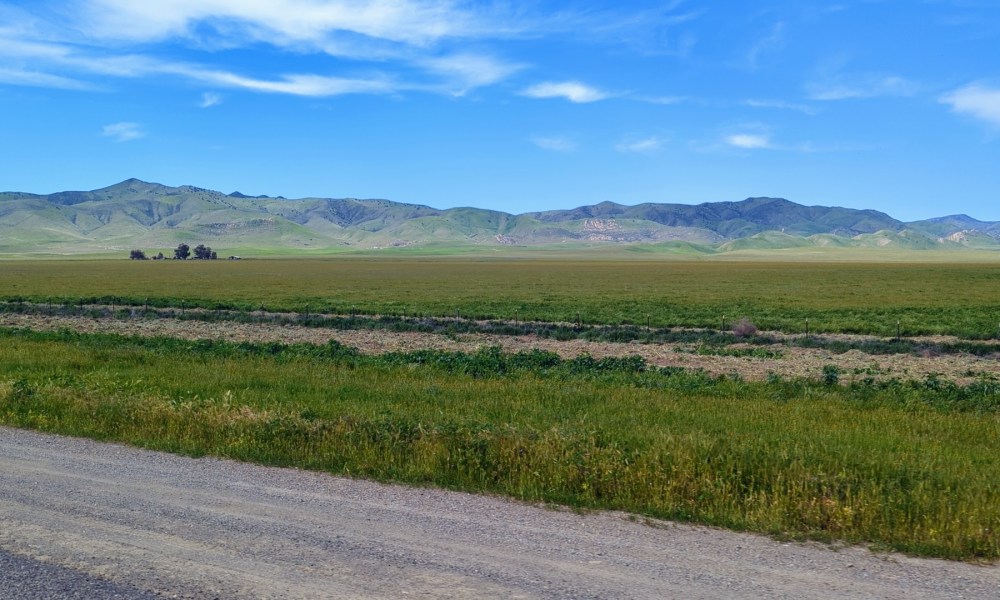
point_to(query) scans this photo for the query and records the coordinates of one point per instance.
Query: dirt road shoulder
(206, 528)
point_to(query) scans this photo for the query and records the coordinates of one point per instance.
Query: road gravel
(83, 519)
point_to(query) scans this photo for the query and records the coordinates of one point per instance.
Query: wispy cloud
(295, 84)
(280, 22)
(749, 141)
(844, 87)
(210, 99)
(662, 100)
(403, 41)
(661, 30)
(388, 46)
(574, 91)
(37, 79)
(138, 66)
(640, 146)
(977, 101)
(554, 144)
(463, 72)
(781, 105)
(123, 132)
(774, 40)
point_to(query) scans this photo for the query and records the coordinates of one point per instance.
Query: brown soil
(793, 362)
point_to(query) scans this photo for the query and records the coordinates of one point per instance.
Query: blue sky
(533, 105)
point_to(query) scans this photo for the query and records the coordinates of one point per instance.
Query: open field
(903, 465)
(894, 449)
(855, 297)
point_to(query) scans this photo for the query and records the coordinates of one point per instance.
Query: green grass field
(904, 465)
(856, 297)
(900, 466)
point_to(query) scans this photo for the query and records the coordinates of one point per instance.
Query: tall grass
(904, 466)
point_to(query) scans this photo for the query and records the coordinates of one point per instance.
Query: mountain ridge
(139, 214)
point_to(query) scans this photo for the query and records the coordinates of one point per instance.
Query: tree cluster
(201, 252)
(181, 252)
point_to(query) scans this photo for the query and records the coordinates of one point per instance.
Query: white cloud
(573, 91)
(661, 100)
(749, 141)
(641, 146)
(977, 101)
(296, 85)
(466, 71)
(278, 22)
(401, 37)
(781, 105)
(36, 79)
(864, 86)
(555, 144)
(123, 132)
(210, 99)
(56, 56)
(433, 46)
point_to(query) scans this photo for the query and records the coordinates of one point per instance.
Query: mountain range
(136, 214)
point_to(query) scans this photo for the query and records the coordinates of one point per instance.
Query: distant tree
(215, 255)
(159, 256)
(202, 252)
(137, 255)
(182, 252)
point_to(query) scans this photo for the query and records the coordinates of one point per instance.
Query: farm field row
(960, 299)
(849, 358)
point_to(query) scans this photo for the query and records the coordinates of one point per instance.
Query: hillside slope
(139, 214)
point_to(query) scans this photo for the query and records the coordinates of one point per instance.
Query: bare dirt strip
(792, 362)
(81, 519)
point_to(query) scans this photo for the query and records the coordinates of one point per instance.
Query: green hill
(151, 216)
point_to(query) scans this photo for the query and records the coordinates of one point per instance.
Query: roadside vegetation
(908, 466)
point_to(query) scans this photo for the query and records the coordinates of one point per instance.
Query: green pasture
(961, 298)
(903, 466)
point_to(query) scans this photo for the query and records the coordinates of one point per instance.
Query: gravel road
(81, 519)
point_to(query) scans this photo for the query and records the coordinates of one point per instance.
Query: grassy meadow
(853, 297)
(902, 465)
